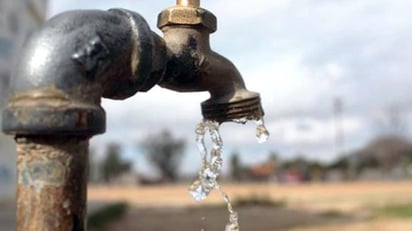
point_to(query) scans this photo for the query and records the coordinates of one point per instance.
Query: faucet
(193, 66)
(77, 58)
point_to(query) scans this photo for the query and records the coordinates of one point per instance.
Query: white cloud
(310, 130)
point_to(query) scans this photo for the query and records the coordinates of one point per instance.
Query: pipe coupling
(233, 111)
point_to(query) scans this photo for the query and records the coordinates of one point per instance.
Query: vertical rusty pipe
(52, 183)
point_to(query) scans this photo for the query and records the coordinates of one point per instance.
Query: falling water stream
(211, 164)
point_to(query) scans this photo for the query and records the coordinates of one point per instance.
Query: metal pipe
(52, 183)
(190, 3)
(65, 69)
(73, 61)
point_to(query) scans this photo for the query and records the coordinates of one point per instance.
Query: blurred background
(334, 81)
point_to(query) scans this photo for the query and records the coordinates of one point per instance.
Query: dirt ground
(308, 207)
(251, 218)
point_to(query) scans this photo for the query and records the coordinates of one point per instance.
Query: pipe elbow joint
(71, 62)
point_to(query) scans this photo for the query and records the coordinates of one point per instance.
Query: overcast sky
(300, 55)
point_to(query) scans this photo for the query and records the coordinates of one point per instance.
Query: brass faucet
(193, 66)
(77, 58)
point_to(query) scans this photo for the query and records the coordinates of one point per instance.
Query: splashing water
(212, 164)
(232, 225)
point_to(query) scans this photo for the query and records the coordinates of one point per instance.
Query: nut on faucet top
(187, 12)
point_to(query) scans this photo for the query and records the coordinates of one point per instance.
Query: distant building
(18, 19)
(264, 172)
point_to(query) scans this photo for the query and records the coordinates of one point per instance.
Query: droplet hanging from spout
(262, 134)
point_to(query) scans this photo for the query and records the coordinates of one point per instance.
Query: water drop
(200, 129)
(262, 134)
(215, 136)
(201, 145)
(208, 179)
(233, 224)
(200, 134)
(211, 168)
(198, 191)
(241, 120)
(225, 198)
(212, 164)
(216, 164)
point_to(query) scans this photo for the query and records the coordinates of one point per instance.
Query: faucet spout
(193, 66)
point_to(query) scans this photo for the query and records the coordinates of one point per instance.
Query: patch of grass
(102, 217)
(255, 200)
(398, 211)
(250, 201)
(331, 213)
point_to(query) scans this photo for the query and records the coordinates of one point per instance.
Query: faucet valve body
(193, 66)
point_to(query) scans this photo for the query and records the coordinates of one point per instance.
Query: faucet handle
(189, 3)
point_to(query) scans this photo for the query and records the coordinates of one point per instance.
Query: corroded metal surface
(52, 176)
(74, 60)
(183, 15)
(194, 66)
(41, 121)
(249, 109)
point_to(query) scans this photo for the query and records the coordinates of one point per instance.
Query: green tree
(113, 165)
(165, 152)
(273, 158)
(235, 167)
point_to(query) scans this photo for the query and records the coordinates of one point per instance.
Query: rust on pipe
(52, 183)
